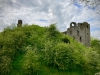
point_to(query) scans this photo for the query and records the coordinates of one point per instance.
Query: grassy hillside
(35, 50)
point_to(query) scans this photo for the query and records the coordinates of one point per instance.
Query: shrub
(52, 31)
(30, 64)
(5, 65)
(47, 53)
(65, 40)
(95, 44)
(92, 62)
(62, 56)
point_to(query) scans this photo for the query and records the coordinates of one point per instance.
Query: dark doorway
(80, 39)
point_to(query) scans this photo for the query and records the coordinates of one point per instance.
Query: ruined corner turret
(19, 24)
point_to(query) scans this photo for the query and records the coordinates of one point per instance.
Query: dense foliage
(24, 51)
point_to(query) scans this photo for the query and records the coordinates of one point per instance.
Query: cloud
(96, 34)
(45, 12)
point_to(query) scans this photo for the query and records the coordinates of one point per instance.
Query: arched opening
(81, 26)
(72, 24)
(80, 39)
(87, 26)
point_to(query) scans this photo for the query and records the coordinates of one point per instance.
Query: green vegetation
(35, 50)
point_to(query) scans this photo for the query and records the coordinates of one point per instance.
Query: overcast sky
(45, 12)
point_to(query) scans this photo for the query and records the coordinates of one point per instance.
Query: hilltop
(35, 50)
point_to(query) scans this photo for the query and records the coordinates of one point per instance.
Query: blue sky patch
(43, 20)
(92, 8)
(77, 5)
(94, 28)
(91, 19)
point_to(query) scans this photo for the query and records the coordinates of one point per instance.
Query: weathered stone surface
(80, 32)
(19, 24)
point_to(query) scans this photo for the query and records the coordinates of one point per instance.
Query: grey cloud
(5, 3)
(1, 16)
(32, 10)
(39, 6)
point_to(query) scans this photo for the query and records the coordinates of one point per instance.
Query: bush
(62, 56)
(65, 57)
(53, 32)
(92, 62)
(95, 44)
(65, 40)
(51, 45)
(5, 65)
(30, 64)
(48, 53)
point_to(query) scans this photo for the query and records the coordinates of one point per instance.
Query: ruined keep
(79, 32)
(19, 24)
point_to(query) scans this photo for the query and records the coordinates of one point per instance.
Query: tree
(92, 4)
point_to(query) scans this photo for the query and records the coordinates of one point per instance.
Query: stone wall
(80, 32)
(19, 24)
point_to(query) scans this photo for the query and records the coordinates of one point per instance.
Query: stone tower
(19, 24)
(80, 32)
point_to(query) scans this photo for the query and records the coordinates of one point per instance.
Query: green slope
(35, 50)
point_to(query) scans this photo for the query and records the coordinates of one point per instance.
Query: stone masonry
(80, 32)
(19, 24)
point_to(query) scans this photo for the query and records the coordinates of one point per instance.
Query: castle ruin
(80, 32)
(19, 24)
